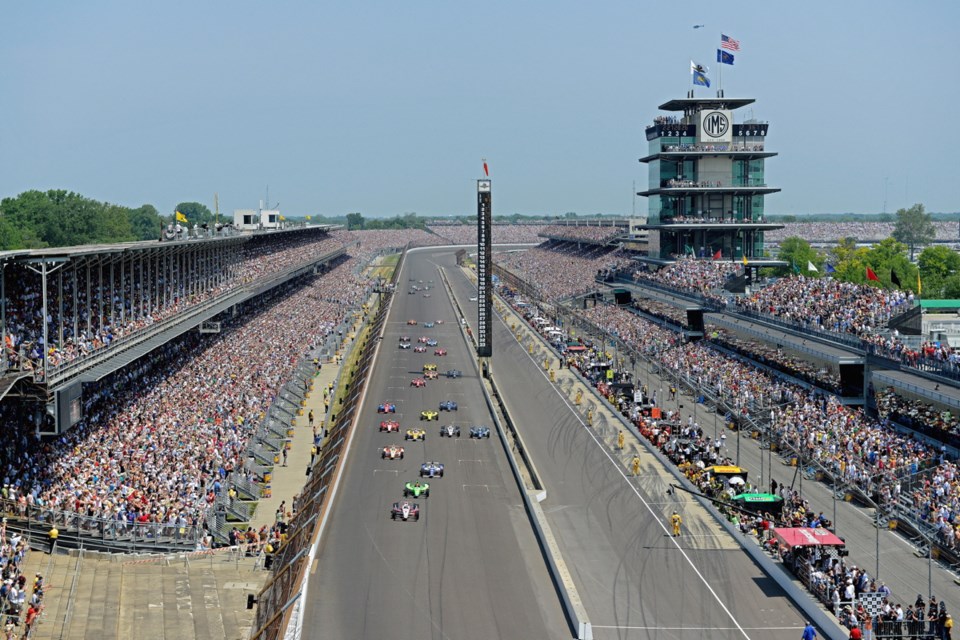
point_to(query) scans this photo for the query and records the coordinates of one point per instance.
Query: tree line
(59, 218)
(935, 274)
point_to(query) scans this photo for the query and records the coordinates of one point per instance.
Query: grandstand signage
(716, 126)
(484, 254)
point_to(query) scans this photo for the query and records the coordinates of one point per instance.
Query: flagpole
(720, 74)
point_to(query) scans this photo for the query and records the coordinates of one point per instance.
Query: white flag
(811, 267)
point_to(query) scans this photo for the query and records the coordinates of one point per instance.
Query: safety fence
(289, 564)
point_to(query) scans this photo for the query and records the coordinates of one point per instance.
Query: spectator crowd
(88, 309)
(159, 440)
(592, 234)
(499, 233)
(825, 304)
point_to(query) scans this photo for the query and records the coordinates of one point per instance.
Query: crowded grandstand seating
(825, 304)
(159, 440)
(561, 269)
(661, 310)
(499, 233)
(582, 233)
(834, 231)
(776, 358)
(120, 307)
(378, 239)
(698, 276)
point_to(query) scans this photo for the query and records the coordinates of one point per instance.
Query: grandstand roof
(683, 104)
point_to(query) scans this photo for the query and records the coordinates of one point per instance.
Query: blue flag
(829, 268)
(699, 74)
(724, 58)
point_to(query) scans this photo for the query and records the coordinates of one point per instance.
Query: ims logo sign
(715, 126)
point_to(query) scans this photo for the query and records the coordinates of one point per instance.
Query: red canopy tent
(790, 537)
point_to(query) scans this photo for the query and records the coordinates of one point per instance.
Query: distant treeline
(58, 218)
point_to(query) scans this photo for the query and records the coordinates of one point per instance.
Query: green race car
(416, 489)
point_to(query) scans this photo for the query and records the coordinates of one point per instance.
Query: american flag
(729, 43)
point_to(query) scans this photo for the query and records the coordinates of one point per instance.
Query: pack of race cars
(407, 509)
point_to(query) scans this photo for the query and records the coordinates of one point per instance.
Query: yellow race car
(415, 434)
(429, 367)
(428, 415)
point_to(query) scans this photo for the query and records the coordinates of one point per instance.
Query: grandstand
(148, 387)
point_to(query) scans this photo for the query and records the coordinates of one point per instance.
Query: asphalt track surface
(635, 579)
(471, 566)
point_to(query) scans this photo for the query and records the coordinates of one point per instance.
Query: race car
(431, 470)
(428, 415)
(454, 373)
(431, 375)
(439, 321)
(419, 349)
(411, 292)
(415, 434)
(418, 382)
(429, 367)
(416, 489)
(450, 430)
(405, 511)
(386, 407)
(479, 432)
(389, 425)
(448, 405)
(426, 295)
(423, 340)
(432, 342)
(391, 452)
(411, 322)
(405, 345)
(404, 338)
(428, 325)
(440, 352)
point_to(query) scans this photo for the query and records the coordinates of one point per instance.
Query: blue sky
(388, 107)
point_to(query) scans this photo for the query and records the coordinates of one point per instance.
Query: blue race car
(448, 405)
(432, 342)
(386, 407)
(431, 470)
(479, 432)
(428, 325)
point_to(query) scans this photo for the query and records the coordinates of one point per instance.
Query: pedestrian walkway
(290, 475)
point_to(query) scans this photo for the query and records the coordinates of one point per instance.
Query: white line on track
(607, 626)
(620, 469)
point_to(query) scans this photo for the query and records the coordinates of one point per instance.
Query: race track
(471, 567)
